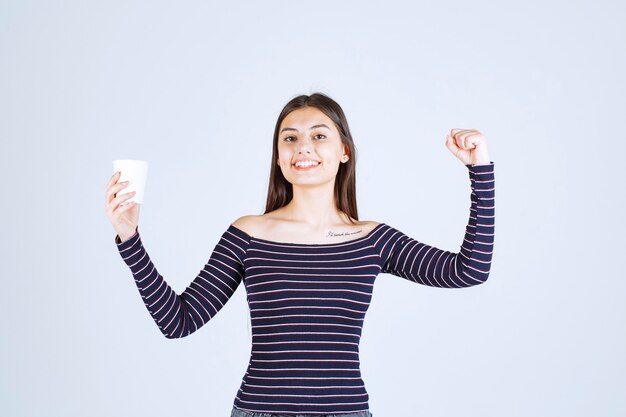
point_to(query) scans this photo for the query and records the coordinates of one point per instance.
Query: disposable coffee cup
(135, 171)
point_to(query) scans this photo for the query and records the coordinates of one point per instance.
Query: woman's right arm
(176, 315)
(180, 315)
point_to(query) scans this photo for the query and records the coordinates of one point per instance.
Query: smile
(306, 166)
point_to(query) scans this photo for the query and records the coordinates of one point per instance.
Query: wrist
(487, 162)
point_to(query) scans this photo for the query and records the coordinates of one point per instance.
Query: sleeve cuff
(480, 168)
(482, 180)
(128, 242)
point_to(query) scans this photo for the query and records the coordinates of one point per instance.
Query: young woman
(309, 265)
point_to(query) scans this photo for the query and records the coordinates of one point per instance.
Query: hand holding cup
(123, 216)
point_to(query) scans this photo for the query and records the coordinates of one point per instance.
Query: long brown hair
(280, 191)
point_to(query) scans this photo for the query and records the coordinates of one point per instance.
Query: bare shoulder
(370, 225)
(249, 223)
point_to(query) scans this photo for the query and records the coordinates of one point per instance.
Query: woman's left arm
(406, 257)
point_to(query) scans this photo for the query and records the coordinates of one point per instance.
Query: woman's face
(308, 134)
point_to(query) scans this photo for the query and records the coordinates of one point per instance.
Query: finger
(451, 144)
(474, 139)
(121, 209)
(114, 189)
(123, 197)
(458, 132)
(114, 179)
(117, 202)
(466, 143)
(460, 141)
(468, 137)
(115, 199)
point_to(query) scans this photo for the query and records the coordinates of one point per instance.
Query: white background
(195, 89)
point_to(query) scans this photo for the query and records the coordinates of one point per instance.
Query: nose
(303, 146)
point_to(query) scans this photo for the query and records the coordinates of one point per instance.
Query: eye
(287, 138)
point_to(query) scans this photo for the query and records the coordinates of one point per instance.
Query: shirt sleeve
(180, 315)
(408, 258)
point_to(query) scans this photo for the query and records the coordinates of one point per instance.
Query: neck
(314, 206)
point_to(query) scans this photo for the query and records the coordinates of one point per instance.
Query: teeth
(306, 163)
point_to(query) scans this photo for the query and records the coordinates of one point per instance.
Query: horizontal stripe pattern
(308, 301)
(180, 315)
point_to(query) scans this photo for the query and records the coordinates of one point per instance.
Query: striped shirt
(308, 301)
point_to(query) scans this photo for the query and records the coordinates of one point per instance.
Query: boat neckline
(345, 242)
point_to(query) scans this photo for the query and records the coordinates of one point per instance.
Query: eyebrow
(312, 127)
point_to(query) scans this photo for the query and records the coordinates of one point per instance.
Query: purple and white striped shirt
(308, 301)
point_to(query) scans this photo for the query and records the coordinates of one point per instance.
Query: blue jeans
(242, 413)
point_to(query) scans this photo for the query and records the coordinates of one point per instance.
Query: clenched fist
(469, 145)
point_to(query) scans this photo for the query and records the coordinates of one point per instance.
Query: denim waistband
(243, 413)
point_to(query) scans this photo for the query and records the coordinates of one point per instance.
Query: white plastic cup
(134, 171)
